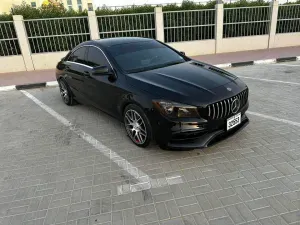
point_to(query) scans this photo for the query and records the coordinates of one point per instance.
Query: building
(76, 5)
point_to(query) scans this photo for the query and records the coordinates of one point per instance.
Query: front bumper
(207, 139)
(185, 134)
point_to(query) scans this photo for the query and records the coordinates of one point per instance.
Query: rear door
(76, 70)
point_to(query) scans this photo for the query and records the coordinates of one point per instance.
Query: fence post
(93, 25)
(23, 41)
(273, 22)
(159, 24)
(219, 24)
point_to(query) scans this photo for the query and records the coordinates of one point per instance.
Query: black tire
(65, 92)
(141, 140)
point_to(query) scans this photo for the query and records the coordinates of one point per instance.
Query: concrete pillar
(273, 22)
(23, 42)
(93, 25)
(159, 24)
(219, 25)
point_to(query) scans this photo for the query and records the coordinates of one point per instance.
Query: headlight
(176, 110)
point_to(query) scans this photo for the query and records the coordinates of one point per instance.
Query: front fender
(140, 98)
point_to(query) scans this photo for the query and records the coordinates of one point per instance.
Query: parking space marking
(272, 81)
(274, 118)
(155, 183)
(144, 181)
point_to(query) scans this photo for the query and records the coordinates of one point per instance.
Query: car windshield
(142, 56)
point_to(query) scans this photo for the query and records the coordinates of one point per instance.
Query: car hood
(191, 82)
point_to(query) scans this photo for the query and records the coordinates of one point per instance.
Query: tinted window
(78, 56)
(141, 56)
(96, 58)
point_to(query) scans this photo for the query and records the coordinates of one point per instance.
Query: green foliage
(291, 14)
(6, 17)
(246, 21)
(245, 3)
(292, 3)
(49, 11)
(52, 11)
(128, 10)
(189, 5)
(8, 39)
(56, 34)
(129, 25)
(189, 25)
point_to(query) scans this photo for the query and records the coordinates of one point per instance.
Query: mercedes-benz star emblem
(229, 89)
(235, 105)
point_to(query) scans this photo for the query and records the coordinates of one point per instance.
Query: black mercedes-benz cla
(157, 92)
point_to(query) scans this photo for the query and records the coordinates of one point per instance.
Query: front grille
(222, 109)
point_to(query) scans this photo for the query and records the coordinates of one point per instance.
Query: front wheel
(137, 125)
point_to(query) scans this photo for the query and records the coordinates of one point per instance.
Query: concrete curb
(259, 62)
(225, 65)
(29, 86)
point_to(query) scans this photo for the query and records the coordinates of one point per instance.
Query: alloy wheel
(64, 92)
(135, 127)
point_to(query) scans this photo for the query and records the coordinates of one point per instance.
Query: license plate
(233, 121)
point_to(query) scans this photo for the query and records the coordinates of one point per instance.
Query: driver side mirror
(182, 53)
(105, 71)
(102, 71)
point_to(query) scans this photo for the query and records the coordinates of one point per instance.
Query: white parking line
(160, 182)
(272, 81)
(144, 181)
(274, 118)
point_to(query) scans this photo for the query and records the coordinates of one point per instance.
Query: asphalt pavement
(76, 166)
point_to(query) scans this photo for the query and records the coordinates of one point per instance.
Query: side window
(96, 58)
(78, 56)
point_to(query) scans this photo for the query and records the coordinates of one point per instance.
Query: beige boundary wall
(43, 61)
(14, 63)
(286, 40)
(192, 48)
(243, 43)
(28, 61)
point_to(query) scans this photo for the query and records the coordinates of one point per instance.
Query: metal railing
(127, 25)
(189, 25)
(9, 44)
(56, 34)
(288, 20)
(246, 21)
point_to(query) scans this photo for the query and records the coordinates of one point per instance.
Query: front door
(103, 92)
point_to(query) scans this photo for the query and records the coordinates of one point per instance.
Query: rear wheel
(137, 125)
(65, 92)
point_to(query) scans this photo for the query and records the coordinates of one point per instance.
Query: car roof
(108, 42)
